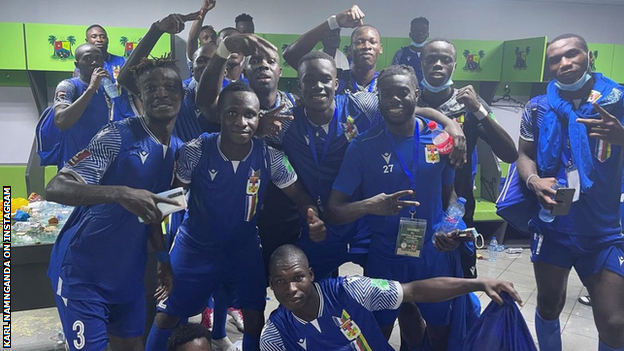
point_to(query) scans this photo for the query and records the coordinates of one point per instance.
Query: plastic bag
(500, 328)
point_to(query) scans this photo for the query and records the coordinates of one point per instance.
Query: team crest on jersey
(603, 150)
(352, 332)
(78, 157)
(350, 129)
(252, 188)
(594, 96)
(461, 119)
(431, 154)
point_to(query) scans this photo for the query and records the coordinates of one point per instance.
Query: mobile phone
(465, 235)
(176, 194)
(564, 197)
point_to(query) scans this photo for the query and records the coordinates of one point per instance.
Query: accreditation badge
(411, 236)
(431, 154)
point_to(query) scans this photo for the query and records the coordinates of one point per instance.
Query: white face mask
(419, 45)
(578, 84)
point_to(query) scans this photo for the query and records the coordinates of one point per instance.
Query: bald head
(287, 255)
(85, 48)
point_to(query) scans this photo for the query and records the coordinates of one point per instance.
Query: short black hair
(147, 65)
(233, 88)
(444, 40)
(95, 26)
(186, 333)
(208, 26)
(418, 20)
(243, 17)
(356, 29)
(570, 35)
(316, 55)
(287, 252)
(401, 70)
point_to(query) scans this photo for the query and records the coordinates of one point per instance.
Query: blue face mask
(440, 88)
(419, 45)
(576, 85)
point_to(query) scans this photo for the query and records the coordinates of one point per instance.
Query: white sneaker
(237, 316)
(224, 345)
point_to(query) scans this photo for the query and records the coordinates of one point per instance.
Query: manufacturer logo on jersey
(252, 188)
(79, 157)
(307, 139)
(387, 168)
(352, 332)
(143, 155)
(302, 343)
(350, 129)
(621, 260)
(213, 173)
(162, 305)
(431, 154)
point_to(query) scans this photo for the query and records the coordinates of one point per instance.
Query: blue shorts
(86, 324)
(587, 254)
(197, 275)
(430, 264)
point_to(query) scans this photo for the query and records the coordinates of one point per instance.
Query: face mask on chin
(576, 85)
(440, 88)
(419, 45)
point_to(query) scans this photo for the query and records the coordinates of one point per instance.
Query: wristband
(333, 23)
(529, 178)
(222, 50)
(482, 113)
(163, 256)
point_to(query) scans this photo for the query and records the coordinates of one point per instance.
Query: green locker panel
(617, 70)
(12, 54)
(50, 47)
(391, 46)
(603, 58)
(478, 60)
(523, 60)
(281, 41)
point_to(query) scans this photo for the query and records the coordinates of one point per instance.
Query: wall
(476, 19)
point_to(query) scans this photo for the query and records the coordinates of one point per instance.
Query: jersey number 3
(78, 327)
(388, 168)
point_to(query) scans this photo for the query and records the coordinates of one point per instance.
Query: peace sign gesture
(607, 128)
(390, 204)
(174, 23)
(271, 122)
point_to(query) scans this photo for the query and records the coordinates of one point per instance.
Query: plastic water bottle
(544, 213)
(454, 213)
(441, 139)
(493, 249)
(110, 88)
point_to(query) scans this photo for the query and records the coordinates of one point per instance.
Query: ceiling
(585, 2)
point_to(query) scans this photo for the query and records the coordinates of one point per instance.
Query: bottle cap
(461, 200)
(493, 238)
(432, 125)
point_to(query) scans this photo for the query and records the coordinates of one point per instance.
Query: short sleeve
(367, 103)
(526, 124)
(270, 339)
(188, 158)
(397, 57)
(282, 173)
(448, 174)
(65, 93)
(374, 294)
(350, 176)
(90, 164)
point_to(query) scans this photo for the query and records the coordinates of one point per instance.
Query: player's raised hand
(390, 204)
(207, 5)
(468, 96)
(144, 204)
(174, 23)
(493, 288)
(271, 122)
(607, 128)
(351, 17)
(96, 78)
(316, 226)
(458, 155)
(249, 44)
(165, 281)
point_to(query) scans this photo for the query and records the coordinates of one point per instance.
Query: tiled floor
(37, 330)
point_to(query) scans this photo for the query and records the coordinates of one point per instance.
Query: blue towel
(552, 138)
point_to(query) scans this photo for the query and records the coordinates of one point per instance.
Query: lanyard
(333, 127)
(370, 86)
(409, 172)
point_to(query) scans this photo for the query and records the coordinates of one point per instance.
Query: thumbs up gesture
(316, 226)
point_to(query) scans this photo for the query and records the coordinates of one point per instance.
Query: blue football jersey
(354, 114)
(191, 123)
(101, 251)
(100, 111)
(405, 56)
(371, 165)
(225, 196)
(345, 320)
(348, 84)
(596, 213)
